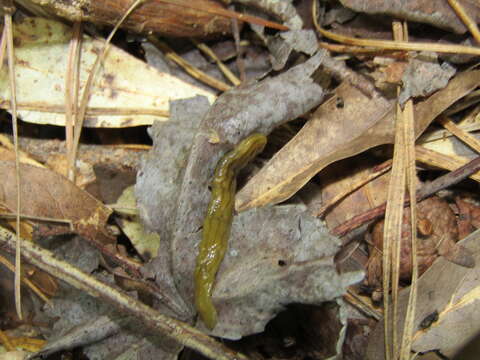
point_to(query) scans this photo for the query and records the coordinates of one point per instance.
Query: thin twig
(427, 190)
(171, 328)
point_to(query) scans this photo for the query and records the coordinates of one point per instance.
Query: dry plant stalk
(392, 237)
(411, 179)
(172, 328)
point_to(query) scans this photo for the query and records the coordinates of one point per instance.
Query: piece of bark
(156, 16)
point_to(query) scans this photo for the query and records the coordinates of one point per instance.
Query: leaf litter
(279, 255)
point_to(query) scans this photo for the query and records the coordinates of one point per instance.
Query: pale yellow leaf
(127, 92)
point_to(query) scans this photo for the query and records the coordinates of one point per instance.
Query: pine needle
(27, 282)
(72, 81)
(223, 68)
(9, 9)
(469, 23)
(185, 65)
(461, 134)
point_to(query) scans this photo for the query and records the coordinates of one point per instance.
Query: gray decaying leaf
(281, 46)
(436, 13)
(423, 76)
(277, 255)
(157, 188)
(165, 164)
(237, 113)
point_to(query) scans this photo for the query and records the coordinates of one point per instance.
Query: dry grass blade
(469, 23)
(173, 329)
(393, 45)
(363, 305)
(412, 186)
(8, 29)
(411, 177)
(392, 238)
(189, 68)
(39, 218)
(392, 233)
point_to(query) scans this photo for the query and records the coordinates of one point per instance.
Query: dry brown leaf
(438, 234)
(50, 195)
(338, 179)
(337, 132)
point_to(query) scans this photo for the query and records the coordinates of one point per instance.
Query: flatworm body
(218, 222)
